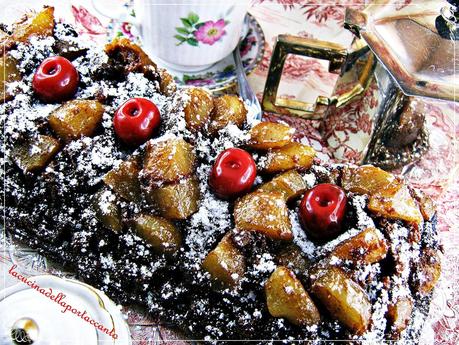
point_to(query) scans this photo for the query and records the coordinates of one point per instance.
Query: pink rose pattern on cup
(193, 31)
(210, 32)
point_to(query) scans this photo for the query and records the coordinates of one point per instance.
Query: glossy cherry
(322, 211)
(55, 80)
(233, 173)
(136, 120)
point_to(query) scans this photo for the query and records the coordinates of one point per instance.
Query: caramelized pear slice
(286, 297)
(291, 156)
(126, 57)
(126, 53)
(107, 210)
(168, 160)
(429, 271)
(343, 298)
(225, 263)
(39, 24)
(291, 184)
(167, 84)
(270, 135)
(161, 233)
(367, 247)
(35, 154)
(8, 73)
(395, 202)
(426, 205)
(124, 180)
(264, 212)
(366, 179)
(227, 109)
(198, 109)
(399, 315)
(176, 201)
(76, 118)
(389, 197)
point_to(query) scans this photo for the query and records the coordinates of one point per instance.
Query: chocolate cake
(153, 220)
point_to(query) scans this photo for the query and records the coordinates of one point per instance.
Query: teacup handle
(333, 52)
(122, 16)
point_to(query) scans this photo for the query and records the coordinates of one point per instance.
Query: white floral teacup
(186, 35)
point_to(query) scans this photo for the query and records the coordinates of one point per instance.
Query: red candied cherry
(55, 80)
(233, 173)
(322, 211)
(136, 120)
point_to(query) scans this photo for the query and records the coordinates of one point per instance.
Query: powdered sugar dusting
(55, 209)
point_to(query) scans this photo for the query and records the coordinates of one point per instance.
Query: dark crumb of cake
(55, 212)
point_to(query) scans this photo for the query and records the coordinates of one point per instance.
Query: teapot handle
(333, 52)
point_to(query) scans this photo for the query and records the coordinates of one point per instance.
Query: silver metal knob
(24, 331)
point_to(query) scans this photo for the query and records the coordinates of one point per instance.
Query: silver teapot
(403, 54)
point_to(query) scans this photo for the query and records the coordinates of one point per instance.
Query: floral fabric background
(305, 79)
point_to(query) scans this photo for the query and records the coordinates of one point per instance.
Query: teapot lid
(415, 43)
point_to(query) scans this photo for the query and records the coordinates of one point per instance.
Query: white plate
(50, 319)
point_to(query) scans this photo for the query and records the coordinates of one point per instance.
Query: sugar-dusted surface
(58, 213)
